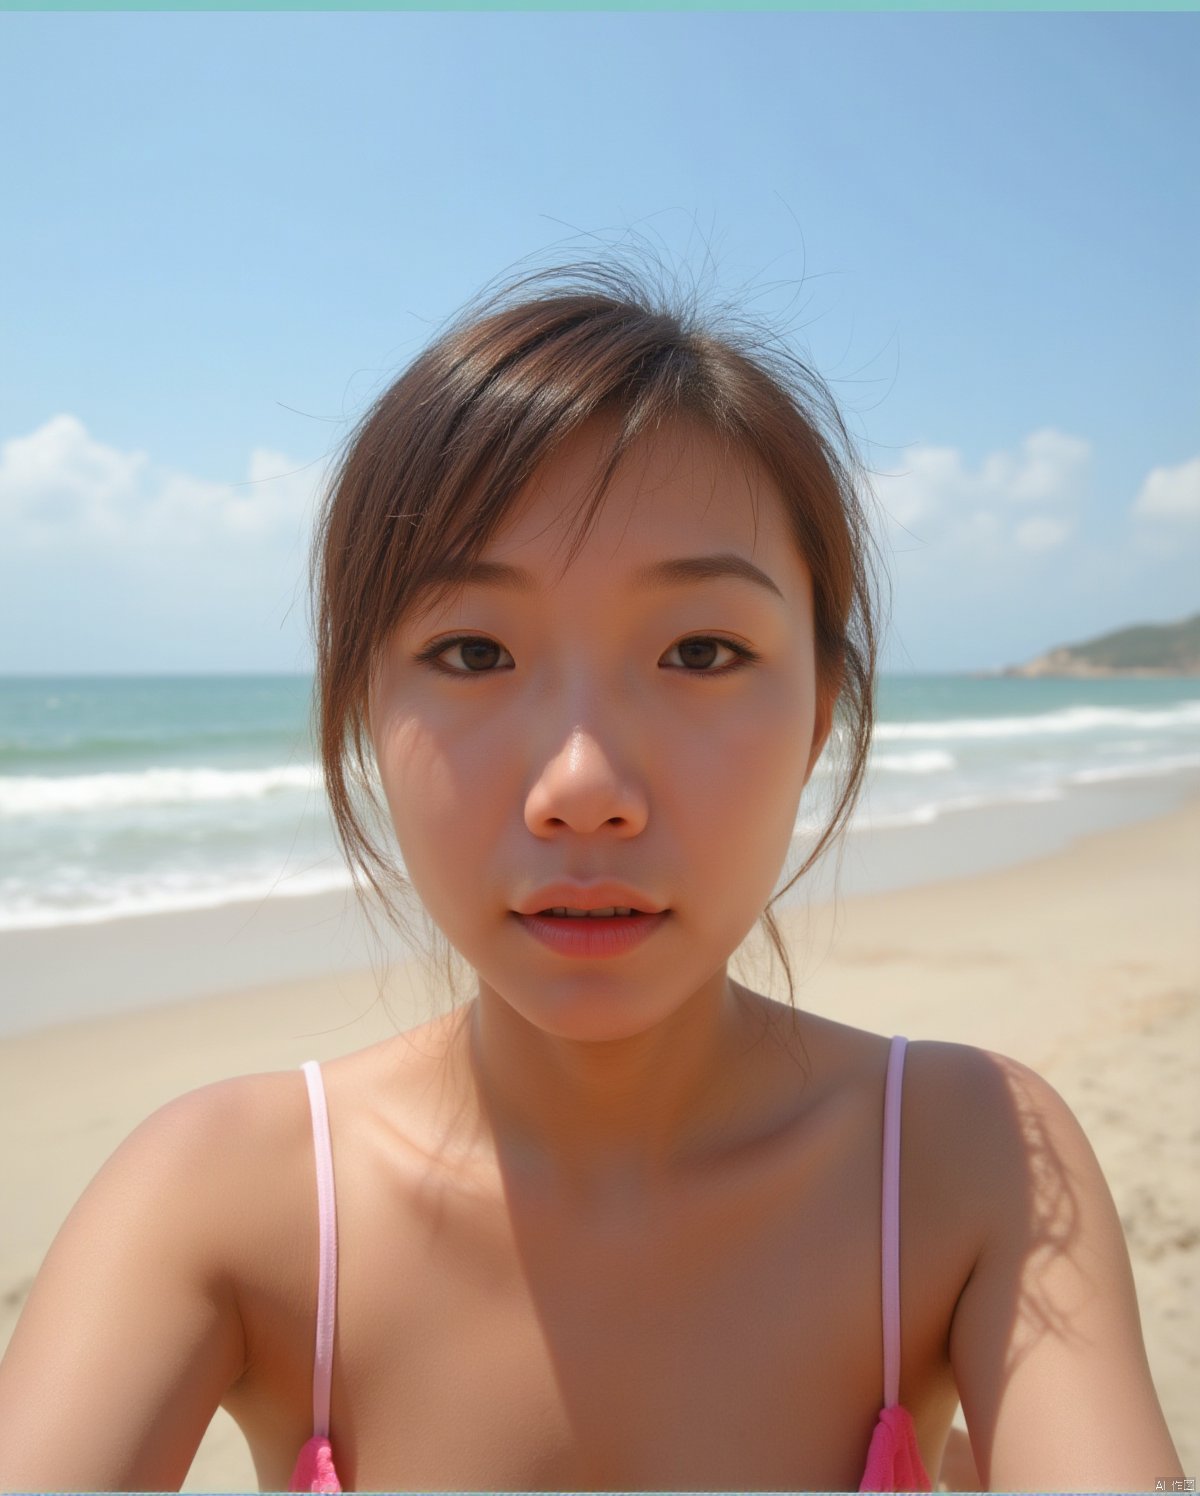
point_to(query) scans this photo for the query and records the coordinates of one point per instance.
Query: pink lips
(611, 936)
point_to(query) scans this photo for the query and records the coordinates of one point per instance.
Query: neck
(596, 1115)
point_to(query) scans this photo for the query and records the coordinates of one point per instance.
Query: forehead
(681, 507)
(672, 486)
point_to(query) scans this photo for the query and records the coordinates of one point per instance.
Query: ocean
(135, 795)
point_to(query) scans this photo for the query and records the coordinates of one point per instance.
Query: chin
(595, 1017)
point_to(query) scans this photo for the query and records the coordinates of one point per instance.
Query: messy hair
(433, 469)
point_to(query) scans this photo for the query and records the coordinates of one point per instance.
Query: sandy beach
(1084, 963)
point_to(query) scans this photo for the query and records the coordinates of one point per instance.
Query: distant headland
(1144, 649)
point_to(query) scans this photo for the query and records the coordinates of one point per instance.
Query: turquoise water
(127, 795)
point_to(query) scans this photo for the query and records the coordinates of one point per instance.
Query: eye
(476, 650)
(479, 650)
(696, 649)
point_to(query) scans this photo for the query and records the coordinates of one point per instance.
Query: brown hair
(433, 468)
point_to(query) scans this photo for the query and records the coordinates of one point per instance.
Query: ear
(827, 695)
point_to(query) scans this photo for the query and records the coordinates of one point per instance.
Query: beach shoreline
(1083, 962)
(138, 962)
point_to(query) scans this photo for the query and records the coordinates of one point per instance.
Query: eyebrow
(672, 572)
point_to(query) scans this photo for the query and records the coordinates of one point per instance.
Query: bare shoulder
(231, 1137)
(962, 1085)
(1016, 1151)
(205, 1147)
(1003, 1127)
(962, 1129)
(266, 1133)
(142, 1277)
(220, 1117)
(240, 1152)
(986, 1124)
(260, 1134)
(1046, 1339)
(957, 1098)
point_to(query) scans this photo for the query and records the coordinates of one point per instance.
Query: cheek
(436, 801)
(739, 784)
(763, 745)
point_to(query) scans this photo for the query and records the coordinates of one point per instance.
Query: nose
(584, 786)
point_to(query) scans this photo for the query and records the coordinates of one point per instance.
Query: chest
(730, 1338)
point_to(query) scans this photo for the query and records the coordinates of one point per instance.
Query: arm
(131, 1334)
(1046, 1341)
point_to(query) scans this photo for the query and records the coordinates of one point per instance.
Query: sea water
(129, 795)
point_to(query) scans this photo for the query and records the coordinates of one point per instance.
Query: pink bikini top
(893, 1456)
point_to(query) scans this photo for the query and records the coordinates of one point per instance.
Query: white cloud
(61, 487)
(58, 481)
(932, 474)
(1170, 494)
(1041, 534)
(1051, 468)
(942, 500)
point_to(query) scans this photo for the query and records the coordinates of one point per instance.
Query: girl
(593, 584)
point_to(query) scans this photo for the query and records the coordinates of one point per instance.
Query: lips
(588, 896)
(592, 939)
(608, 913)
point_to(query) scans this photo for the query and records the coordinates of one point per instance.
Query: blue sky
(227, 232)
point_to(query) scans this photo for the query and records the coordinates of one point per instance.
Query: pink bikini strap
(891, 1221)
(327, 1271)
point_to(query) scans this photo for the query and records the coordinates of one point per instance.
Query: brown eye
(698, 651)
(479, 655)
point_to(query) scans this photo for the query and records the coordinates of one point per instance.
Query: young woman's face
(573, 738)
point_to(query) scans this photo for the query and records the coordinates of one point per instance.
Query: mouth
(594, 934)
(610, 914)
